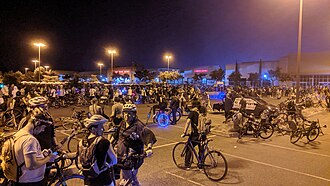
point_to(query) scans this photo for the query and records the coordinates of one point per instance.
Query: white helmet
(129, 107)
(95, 120)
(37, 102)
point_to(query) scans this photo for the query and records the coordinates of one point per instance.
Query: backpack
(204, 124)
(88, 160)
(9, 164)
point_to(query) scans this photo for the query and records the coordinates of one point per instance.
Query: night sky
(196, 32)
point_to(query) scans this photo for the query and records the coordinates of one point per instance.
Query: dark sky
(197, 32)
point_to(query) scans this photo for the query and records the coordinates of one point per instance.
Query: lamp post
(299, 50)
(100, 65)
(35, 64)
(39, 45)
(112, 53)
(168, 57)
(26, 69)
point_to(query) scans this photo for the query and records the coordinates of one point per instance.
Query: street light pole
(100, 64)
(35, 64)
(39, 45)
(112, 53)
(168, 57)
(299, 50)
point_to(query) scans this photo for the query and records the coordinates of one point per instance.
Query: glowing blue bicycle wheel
(163, 120)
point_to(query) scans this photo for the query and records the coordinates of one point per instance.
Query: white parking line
(278, 167)
(287, 148)
(165, 145)
(196, 183)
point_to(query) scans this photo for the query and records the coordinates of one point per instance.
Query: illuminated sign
(200, 71)
(122, 71)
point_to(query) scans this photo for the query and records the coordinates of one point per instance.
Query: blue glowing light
(265, 76)
(163, 120)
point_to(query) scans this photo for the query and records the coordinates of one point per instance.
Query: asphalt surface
(251, 161)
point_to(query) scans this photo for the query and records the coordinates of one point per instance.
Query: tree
(274, 74)
(254, 78)
(142, 75)
(218, 75)
(169, 75)
(285, 77)
(235, 77)
(198, 76)
(12, 77)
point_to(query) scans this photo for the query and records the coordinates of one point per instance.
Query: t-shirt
(193, 116)
(25, 145)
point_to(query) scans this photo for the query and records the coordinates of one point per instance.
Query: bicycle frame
(204, 149)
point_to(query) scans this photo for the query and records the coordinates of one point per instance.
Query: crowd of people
(36, 140)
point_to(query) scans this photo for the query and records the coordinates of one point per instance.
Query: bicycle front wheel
(295, 136)
(313, 133)
(266, 131)
(182, 155)
(72, 180)
(215, 166)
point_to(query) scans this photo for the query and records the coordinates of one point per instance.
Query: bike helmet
(41, 119)
(95, 120)
(129, 107)
(37, 102)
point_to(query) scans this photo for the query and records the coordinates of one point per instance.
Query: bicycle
(62, 175)
(11, 118)
(213, 163)
(264, 130)
(310, 129)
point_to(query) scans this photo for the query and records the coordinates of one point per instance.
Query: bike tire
(74, 140)
(313, 133)
(12, 117)
(178, 116)
(215, 166)
(242, 131)
(295, 136)
(67, 125)
(179, 154)
(71, 180)
(266, 131)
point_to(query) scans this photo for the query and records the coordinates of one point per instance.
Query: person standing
(174, 105)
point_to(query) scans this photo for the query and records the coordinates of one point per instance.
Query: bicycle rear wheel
(266, 131)
(215, 166)
(180, 157)
(295, 136)
(72, 180)
(73, 141)
(178, 116)
(313, 133)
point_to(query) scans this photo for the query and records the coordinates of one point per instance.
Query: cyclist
(174, 105)
(133, 136)
(95, 109)
(28, 152)
(104, 153)
(192, 122)
(37, 106)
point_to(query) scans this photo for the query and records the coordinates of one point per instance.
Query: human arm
(186, 127)
(32, 162)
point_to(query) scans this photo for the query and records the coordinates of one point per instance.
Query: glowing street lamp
(168, 57)
(26, 69)
(35, 63)
(39, 45)
(112, 52)
(100, 65)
